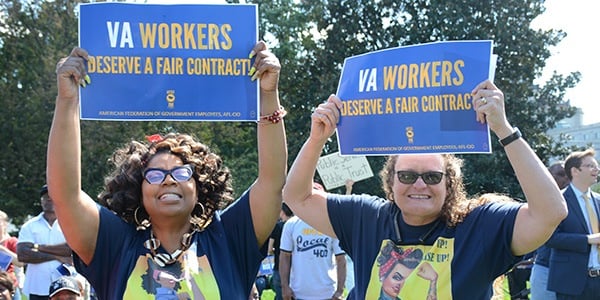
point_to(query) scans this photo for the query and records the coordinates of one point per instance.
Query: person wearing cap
(66, 288)
(43, 248)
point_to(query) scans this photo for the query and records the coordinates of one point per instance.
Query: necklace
(163, 259)
(422, 238)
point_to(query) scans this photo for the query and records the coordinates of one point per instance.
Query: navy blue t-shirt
(222, 262)
(434, 259)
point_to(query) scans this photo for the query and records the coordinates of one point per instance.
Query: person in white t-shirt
(311, 265)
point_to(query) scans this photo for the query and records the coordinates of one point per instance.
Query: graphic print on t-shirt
(191, 277)
(412, 271)
(313, 242)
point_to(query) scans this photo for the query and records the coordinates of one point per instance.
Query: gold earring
(143, 225)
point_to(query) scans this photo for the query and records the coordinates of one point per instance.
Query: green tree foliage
(311, 38)
(346, 28)
(33, 37)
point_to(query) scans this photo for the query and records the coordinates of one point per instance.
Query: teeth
(170, 197)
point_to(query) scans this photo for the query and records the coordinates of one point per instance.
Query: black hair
(286, 210)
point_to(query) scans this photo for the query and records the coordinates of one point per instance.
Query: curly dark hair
(123, 187)
(452, 213)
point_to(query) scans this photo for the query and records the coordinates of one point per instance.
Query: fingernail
(252, 70)
(88, 79)
(254, 76)
(252, 53)
(82, 83)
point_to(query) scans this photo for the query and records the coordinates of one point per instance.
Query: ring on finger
(483, 100)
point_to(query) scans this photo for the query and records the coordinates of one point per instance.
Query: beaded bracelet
(273, 118)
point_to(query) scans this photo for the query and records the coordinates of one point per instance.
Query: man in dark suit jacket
(574, 262)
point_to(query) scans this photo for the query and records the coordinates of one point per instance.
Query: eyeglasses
(157, 175)
(410, 177)
(591, 166)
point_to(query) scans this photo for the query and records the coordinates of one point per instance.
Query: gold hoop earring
(200, 221)
(202, 207)
(143, 225)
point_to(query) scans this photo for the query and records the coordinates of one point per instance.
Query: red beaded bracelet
(273, 118)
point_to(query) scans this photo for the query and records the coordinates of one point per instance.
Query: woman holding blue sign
(161, 208)
(466, 242)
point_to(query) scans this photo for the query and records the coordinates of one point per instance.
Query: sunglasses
(157, 175)
(410, 177)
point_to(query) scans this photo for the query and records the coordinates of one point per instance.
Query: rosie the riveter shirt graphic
(425, 269)
(417, 262)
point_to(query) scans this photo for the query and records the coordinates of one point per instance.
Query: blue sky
(579, 19)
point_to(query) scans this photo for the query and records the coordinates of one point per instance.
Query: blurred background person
(349, 262)
(66, 288)
(312, 265)
(274, 244)
(7, 287)
(574, 265)
(539, 272)
(8, 247)
(43, 248)
(557, 170)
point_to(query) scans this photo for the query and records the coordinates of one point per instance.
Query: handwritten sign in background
(335, 169)
(169, 62)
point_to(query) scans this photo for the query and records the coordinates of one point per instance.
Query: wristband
(512, 137)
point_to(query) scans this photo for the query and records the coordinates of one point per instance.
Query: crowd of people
(66, 287)
(39, 256)
(567, 266)
(166, 226)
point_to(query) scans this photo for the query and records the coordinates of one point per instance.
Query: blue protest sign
(266, 266)
(5, 261)
(414, 99)
(185, 62)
